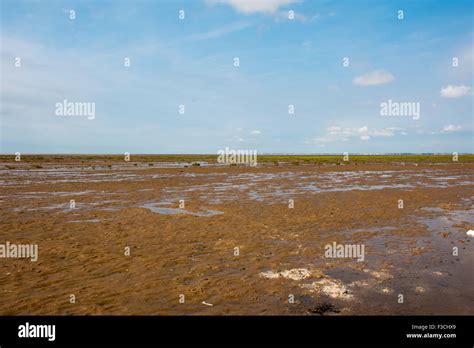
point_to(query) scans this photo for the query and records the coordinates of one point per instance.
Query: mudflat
(167, 238)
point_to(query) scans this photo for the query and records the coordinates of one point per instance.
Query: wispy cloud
(219, 32)
(455, 91)
(374, 78)
(451, 128)
(336, 133)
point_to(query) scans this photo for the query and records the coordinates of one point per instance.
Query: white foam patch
(294, 274)
(330, 287)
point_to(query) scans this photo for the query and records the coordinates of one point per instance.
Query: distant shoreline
(297, 158)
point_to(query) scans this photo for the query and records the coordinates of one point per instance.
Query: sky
(312, 76)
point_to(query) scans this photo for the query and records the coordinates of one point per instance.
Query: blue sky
(283, 62)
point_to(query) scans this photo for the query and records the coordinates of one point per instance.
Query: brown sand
(408, 251)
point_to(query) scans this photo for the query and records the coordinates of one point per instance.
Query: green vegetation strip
(295, 159)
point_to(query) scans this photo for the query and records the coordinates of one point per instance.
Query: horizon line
(216, 154)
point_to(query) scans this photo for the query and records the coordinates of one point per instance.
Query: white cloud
(377, 77)
(334, 130)
(336, 133)
(455, 91)
(451, 128)
(255, 132)
(255, 6)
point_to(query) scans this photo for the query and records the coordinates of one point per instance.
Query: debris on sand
(294, 274)
(207, 304)
(324, 308)
(470, 233)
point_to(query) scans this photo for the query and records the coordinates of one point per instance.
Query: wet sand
(191, 251)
